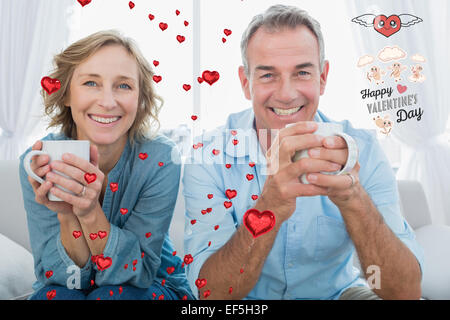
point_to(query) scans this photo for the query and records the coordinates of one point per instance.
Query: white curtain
(425, 152)
(31, 32)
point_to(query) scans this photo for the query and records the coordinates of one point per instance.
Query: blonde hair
(65, 64)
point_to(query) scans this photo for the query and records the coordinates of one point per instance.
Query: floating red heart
(200, 283)
(93, 236)
(160, 164)
(84, 2)
(259, 223)
(188, 259)
(180, 38)
(254, 197)
(228, 166)
(151, 17)
(123, 211)
(227, 32)
(50, 85)
(76, 234)
(48, 274)
(90, 177)
(230, 193)
(177, 12)
(210, 196)
(227, 204)
(249, 176)
(224, 40)
(51, 294)
(210, 77)
(194, 117)
(215, 152)
(103, 263)
(157, 79)
(387, 26)
(114, 186)
(235, 141)
(148, 235)
(163, 26)
(143, 156)
(200, 79)
(186, 87)
(170, 270)
(186, 23)
(131, 4)
(102, 234)
(155, 63)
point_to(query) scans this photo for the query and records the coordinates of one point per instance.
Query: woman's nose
(107, 99)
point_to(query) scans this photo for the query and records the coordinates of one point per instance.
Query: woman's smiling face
(104, 95)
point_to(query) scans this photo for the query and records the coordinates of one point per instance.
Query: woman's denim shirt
(139, 211)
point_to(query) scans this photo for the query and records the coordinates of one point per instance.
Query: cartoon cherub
(376, 73)
(397, 69)
(416, 76)
(384, 124)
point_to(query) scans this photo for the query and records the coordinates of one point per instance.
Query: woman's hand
(40, 166)
(86, 184)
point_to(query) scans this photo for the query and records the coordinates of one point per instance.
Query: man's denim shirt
(312, 256)
(138, 243)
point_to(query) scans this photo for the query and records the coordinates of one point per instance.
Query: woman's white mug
(327, 129)
(54, 149)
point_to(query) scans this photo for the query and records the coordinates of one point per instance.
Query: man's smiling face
(284, 79)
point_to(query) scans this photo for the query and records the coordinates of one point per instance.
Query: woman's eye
(90, 83)
(124, 86)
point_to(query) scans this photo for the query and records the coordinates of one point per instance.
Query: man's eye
(124, 86)
(303, 73)
(267, 76)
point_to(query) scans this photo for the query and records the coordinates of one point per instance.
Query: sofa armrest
(434, 240)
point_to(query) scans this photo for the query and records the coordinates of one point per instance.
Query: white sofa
(16, 261)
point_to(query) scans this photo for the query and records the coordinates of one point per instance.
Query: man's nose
(107, 99)
(286, 92)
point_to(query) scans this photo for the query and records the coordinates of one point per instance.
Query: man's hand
(283, 186)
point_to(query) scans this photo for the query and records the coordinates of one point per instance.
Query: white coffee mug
(54, 149)
(327, 129)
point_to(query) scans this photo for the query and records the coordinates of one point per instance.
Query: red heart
(387, 26)
(216, 227)
(227, 32)
(90, 177)
(131, 4)
(103, 263)
(204, 212)
(228, 166)
(148, 235)
(206, 293)
(188, 259)
(102, 234)
(163, 26)
(259, 223)
(151, 17)
(186, 87)
(123, 211)
(143, 156)
(114, 186)
(254, 197)
(249, 176)
(186, 23)
(233, 132)
(170, 270)
(194, 117)
(160, 164)
(84, 2)
(48, 274)
(180, 38)
(51, 294)
(135, 262)
(401, 88)
(157, 78)
(210, 76)
(210, 196)
(174, 253)
(235, 141)
(50, 85)
(227, 204)
(230, 193)
(93, 236)
(215, 152)
(193, 221)
(155, 63)
(224, 40)
(177, 12)
(76, 234)
(200, 79)
(200, 283)
(251, 164)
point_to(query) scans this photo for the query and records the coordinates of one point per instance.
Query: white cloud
(365, 60)
(391, 53)
(418, 58)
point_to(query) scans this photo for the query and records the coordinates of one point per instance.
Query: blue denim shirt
(312, 256)
(149, 192)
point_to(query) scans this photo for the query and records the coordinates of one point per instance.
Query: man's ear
(324, 76)
(245, 83)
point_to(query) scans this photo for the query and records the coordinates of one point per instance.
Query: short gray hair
(281, 16)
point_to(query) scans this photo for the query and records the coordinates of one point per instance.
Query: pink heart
(401, 88)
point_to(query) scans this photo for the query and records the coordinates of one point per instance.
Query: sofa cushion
(16, 270)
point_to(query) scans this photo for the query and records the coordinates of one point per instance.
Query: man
(318, 226)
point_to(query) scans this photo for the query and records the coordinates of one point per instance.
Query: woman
(110, 240)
